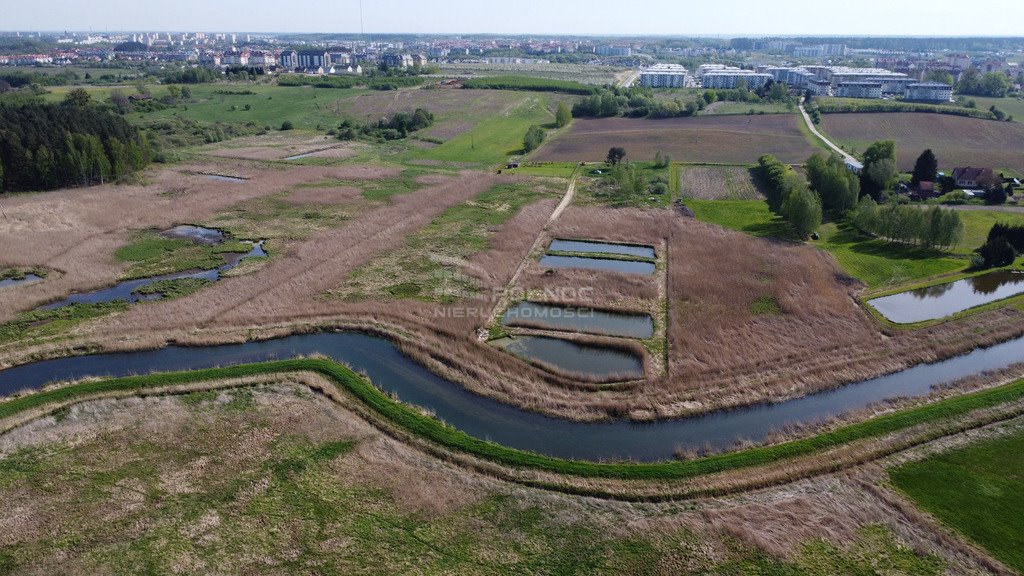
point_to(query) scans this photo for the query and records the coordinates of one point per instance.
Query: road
(814, 130)
(504, 299)
(629, 80)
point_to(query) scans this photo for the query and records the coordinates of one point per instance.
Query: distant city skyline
(569, 17)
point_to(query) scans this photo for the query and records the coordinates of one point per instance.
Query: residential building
(235, 58)
(733, 78)
(968, 177)
(396, 60)
(664, 76)
(865, 89)
(801, 79)
(613, 51)
(512, 60)
(289, 59)
(929, 92)
(262, 58)
(313, 59)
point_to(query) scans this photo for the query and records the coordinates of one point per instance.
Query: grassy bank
(415, 422)
(978, 490)
(272, 479)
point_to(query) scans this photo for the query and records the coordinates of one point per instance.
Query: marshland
(368, 341)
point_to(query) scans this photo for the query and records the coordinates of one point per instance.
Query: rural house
(968, 177)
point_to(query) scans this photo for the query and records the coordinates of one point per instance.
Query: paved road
(814, 130)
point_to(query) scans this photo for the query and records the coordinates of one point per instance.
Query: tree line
(47, 146)
(932, 228)
(788, 195)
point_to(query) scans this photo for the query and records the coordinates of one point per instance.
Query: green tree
(173, 92)
(287, 125)
(997, 252)
(837, 187)
(186, 93)
(940, 76)
(533, 139)
(803, 210)
(77, 97)
(879, 173)
(615, 155)
(926, 169)
(563, 115)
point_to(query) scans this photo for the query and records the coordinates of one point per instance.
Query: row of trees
(932, 228)
(834, 183)
(46, 146)
(973, 82)
(788, 194)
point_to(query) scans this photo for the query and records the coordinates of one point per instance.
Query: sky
(550, 17)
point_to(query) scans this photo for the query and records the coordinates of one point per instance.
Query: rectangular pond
(573, 319)
(639, 251)
(605, 264)
(941, 300)
(583, 359)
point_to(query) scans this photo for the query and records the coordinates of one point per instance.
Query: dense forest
(46, 146)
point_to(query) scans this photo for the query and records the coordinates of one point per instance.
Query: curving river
(484, 418)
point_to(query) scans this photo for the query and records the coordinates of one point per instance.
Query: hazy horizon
(727, 18)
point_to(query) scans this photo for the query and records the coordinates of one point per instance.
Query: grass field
(956, 141)
(495, 136)
(274, 479)
(977, 490)
(977, 224)
(304, 106)
(878, 263)
(705, 139)
(750, 216)
(1012, 106)
(875, 262)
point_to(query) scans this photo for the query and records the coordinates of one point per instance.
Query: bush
(287, 125)
(533, 139)
(997, 252)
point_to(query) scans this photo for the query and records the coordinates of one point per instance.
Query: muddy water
(636, 250)
(943, 300)
(603, 264)
(12, 282)
(575, 358)
(395, 373)
(572, 319)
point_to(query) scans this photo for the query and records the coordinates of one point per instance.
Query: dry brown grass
(76, 231)
(230, 443)
(278, 145)
(714, 139)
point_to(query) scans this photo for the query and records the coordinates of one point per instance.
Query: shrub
(287, 125)
(997, 252)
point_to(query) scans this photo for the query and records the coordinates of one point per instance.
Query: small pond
(636, 250)
(27, 279)
(942, 300)
(128, 289)
(573, 319)
(223, 178)
(198, 234)
(576, 358)
(608, 264)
